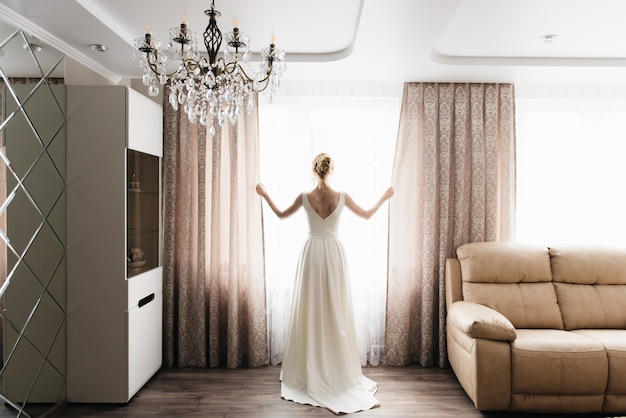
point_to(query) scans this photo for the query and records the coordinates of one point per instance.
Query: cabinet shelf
(143, 192)
(142, 212)
(132, 231)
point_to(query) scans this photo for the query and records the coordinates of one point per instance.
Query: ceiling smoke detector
(548, 39)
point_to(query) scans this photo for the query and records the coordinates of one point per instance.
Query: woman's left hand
(388, 193)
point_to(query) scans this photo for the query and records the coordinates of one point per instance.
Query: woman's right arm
(297, 204)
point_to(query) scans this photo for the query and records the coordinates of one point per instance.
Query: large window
(571, 172)
(360, 134)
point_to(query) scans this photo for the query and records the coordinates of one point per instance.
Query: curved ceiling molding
(15, 19)
(10, 16)
(311, 34)
(534, 33)
(528, 61)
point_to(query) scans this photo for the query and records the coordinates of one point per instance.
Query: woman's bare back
(324, 201)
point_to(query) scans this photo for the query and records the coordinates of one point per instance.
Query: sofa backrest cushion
(590, 286)
(588, 265)
(504, 262)
(512, 278)
(526, 305)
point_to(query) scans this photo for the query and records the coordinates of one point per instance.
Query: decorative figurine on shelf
(134, 185)
(135, 258)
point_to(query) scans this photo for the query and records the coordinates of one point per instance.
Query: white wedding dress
(321, 364)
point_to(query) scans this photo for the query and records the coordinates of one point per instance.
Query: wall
(76, 73)
(32, 220)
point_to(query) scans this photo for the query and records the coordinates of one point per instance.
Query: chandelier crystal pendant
(218, 87)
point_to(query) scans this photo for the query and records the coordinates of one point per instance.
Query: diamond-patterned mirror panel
(56, 218)
(56, 147)
(32, 227)
(22, 146)
(21, 368)
(45, 324)
(45, 254)
(44, 184)
(20, 297)
(46, 125)
(56, 288)
(23, 220)
(49, 383)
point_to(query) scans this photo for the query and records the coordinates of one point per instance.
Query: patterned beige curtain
(454, 174)
(214, 289)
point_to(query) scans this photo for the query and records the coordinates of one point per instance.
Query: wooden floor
(173, 393)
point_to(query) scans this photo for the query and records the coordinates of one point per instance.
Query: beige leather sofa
(538, 329)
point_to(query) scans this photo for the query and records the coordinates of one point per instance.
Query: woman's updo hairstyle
(322, 166)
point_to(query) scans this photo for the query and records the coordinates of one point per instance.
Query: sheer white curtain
(360, 134)
(571, 143)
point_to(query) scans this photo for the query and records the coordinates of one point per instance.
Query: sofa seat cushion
(614, 342)
(546, 361)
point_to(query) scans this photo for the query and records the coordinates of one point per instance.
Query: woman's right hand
(260, 190)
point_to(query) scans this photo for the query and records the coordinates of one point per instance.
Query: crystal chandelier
(217, 87)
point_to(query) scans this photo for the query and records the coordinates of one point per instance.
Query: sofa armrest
(454, 282)
(479, 321)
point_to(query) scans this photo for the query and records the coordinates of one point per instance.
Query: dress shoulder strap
(305, 202)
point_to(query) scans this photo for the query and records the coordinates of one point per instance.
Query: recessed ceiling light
(32, 46)
(99, 47)
(548, 39)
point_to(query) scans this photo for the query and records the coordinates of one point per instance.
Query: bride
(321, 364)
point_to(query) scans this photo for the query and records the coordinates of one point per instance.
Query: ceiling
(360, 40)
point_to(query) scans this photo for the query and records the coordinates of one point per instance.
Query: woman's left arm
(368, 213)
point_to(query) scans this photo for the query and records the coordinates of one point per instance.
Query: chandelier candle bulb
(146, 46)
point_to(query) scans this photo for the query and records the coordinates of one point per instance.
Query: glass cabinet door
(142, 224)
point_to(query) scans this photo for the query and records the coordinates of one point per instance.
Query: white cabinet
(114, 273)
